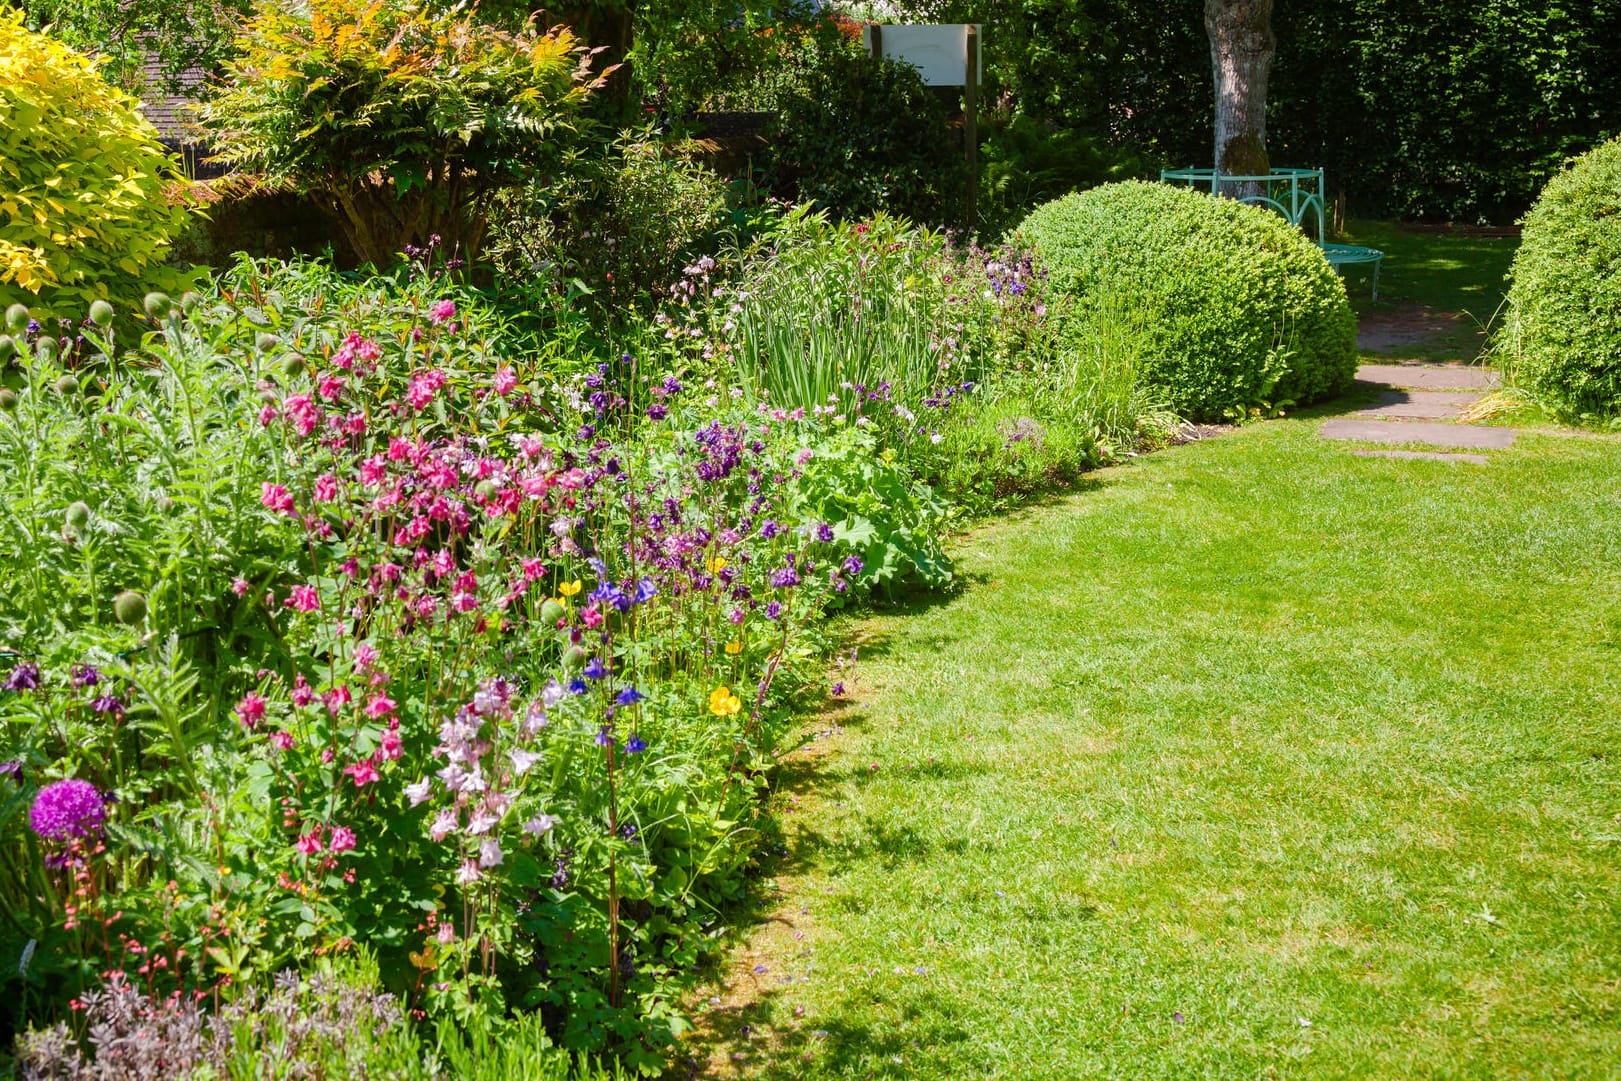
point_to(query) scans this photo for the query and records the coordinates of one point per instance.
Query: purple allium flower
(64, 809)
(635, 745)
(629, 696)
(24, 677)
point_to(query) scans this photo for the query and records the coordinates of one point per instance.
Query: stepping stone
(1425, 455)
(1428, 376)
(1418, 431)
(1420, 404)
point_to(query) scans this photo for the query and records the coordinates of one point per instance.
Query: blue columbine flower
(595, 669)
(603, 739)
(629, 696)
(635, 745)
(646, 591)
(576, 686)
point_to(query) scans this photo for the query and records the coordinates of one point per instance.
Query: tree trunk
(1241, 49)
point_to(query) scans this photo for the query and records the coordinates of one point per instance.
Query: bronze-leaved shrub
(82, 209)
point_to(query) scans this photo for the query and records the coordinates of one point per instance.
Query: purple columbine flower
(603, 739)
(629, 696)
(773, 610)
(65, 809)
(646, 591)
(13, 768)
(84, 676)
(595, 669)
(786, 578)
(853, 565)
(838, 690)
(576, 686)
(824, 533)
(635, 745)
(769, 529)
(24, 677)
(108, 703)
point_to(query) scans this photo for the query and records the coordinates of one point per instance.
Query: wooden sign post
(947, 55)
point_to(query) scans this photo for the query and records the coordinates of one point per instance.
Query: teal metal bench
(1294, 193)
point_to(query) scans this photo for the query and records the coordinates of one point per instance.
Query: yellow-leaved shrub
(82, 209)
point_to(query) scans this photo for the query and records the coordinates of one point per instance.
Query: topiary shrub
(82, 176)
(1239, 309)
(1563, 340)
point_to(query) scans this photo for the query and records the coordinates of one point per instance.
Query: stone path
(1420, 404)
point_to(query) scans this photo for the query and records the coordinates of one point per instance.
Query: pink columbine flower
(251, 710)
(442, 312)
(302, 411)
(336, 699)
(330, 387)
(283, 741)
(506, 381)
(532, 569)
(326, 488)
(365, 655)
(302, 694)
(343, 839)
(304, 599)
(469, 873)
(309, 844)
(419, 792)
(267, 416)
(391, 746)
(240, 586)
(489, 853)
(379, 706)
(364, 773)
(276, 497)
(443, 825)
(368, 350)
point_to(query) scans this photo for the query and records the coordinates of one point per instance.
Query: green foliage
(622, 221)
(856, 136)
(82, 182)
(1240, 309)
(1563, 338)
(405, 116)
(1444, 110)
(1024, 162)
(127, 35)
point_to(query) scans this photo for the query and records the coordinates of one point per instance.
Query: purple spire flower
(64, 809)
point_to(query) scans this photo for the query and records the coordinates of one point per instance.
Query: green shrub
(1240, 309)
(1564, 328)
(623, 222)
(856, 136)
(82, 180)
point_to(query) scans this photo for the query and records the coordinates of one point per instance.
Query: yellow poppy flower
(734, 647)
(569, 589)
(716, 564)
(723, 703)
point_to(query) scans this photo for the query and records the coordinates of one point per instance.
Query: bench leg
(1376, 263)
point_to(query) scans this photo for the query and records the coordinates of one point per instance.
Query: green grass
(1452, 272)
(1256, 760)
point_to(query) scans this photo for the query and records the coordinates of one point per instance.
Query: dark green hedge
(1238, 308)
(1563, 337)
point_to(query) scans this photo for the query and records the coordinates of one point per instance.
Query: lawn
(1257, 759)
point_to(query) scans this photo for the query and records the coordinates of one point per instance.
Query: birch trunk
(1241, 50)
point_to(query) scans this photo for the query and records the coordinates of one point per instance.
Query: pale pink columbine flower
(539, 824)
(304, 599)
(443, 824)
(442, 312)
(276, 497)
(481, 821)
(309, 844)
(506, 381)
(446, 934)
(343, 839)
(364, 772)
(283, 741)
(366, 653)
(251, 710)
(326, 488)
(419, 792)
(468, 873)
(489, 853)
(804, 456)
(523, 761)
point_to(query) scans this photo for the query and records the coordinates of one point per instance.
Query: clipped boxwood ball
(1228, 306)
(129, 607)
(1563, 333)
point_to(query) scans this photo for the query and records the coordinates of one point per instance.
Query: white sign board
(940, 53)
